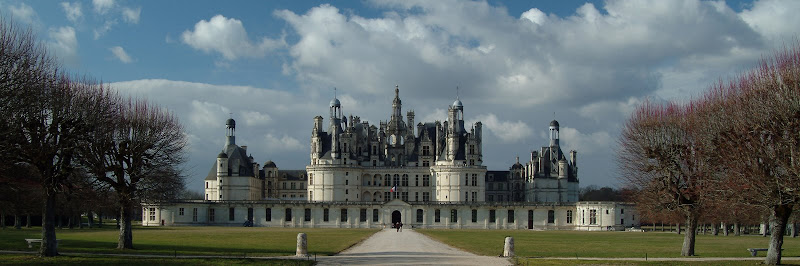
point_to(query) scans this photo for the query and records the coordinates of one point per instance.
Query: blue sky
(519, 64)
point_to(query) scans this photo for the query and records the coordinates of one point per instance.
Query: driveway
(388, 247)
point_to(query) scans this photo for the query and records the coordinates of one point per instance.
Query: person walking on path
(401, 226)
(397, 226)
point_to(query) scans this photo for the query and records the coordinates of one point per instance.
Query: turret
(222, 171)
(553, 133)
(230, 132)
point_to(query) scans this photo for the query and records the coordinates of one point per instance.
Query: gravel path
(388, 247)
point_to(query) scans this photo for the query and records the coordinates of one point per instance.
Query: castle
(425, 175)
(423, 162)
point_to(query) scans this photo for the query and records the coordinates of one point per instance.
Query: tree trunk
(725, 229)
(80, 221)
(765, 228)
(678, 228)
(28, 222)
(778, 220)
(715, 229)
(49, 247)
(17, 221)
(3, 219)
(794, 229)
(689, 237)
(125, 234)
(90, 219)
(70, 221)
(654, 227)
(736, 230)
(99, 220)
(60, 221)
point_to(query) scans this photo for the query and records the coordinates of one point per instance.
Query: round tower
(553, 133)
(230, 132)
(222, 171)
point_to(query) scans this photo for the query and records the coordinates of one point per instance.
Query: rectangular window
(426, 181)
(416, 181)
(454, 215)
(307, 215)
(499, 197)
(474, 180)
(474, 196)
(343, 217)
(491, 186)
(374, 215)
(194, 215)
(387, 196)
(152, 214)
(231, 213)
(426, 196)
(474, 215)
(621, 211)
(622, 221)
(592, 216)
(362, 215)
(492, 216)
(211, 214)
(510, 216)
(269, 215)
(436, 215)
(288, 214)
(293, 185)
(404, 194)
(180, 211)
(419, 215)
(551, 216)
(325, 213)
(569, 216)
(416, 196)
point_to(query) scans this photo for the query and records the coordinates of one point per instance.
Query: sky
(273, 65)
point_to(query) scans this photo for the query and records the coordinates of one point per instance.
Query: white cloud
(102, 6)
(227, 37)
(131, 15)
(207, 114)
(72, 10)
(99, 32)
(594, 143)
(64, 44)
(252, 118)
(23, 12)
(120, 54)
(507, 131)
(283, 143)
(777, 20)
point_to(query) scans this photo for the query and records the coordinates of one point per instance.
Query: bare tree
(660, 157)
(43, 113)
(762, 140)
(137, 149)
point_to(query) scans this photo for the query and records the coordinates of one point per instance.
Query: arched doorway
(396, 217)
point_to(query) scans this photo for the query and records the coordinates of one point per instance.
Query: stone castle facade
(425, 175)
(353, 160)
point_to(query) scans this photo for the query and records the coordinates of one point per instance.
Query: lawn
(200, 240)
(603, 244)
(18, 259)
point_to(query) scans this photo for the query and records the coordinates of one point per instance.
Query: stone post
(508, 248)
(302, 245)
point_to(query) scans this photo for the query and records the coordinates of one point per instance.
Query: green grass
(205, 240)
(17, 259)
(527, 261)
(603, 244)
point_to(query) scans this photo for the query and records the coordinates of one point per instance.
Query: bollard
(508, 248)
(302, 248)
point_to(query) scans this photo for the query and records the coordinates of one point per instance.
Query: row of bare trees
(735, 148)
(68, 133)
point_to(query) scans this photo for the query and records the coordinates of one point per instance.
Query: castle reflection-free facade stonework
(428, 174)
